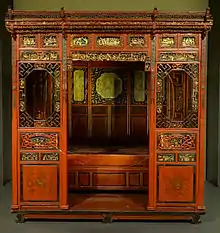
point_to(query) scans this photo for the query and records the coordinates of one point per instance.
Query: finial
(155, 14)
(207, 14)
(62, 12)
(9, 12)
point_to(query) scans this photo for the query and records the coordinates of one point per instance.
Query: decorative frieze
(185, 57)
(39, 56)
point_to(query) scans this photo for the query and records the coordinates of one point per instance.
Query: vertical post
(63, 132)
(152, 162)
(1, 119)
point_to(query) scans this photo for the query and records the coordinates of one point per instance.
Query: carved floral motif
(189, 42)
(50, 41)
(50, 156)
(166, 157)
(109, 41)
(93, 56)
(167, 42)
(169, 141)
(39, 141)
(28, 41)
(81, 41)
(136, 41)
(186, 57)
(187, 157)
(37, 56)
(29, 156)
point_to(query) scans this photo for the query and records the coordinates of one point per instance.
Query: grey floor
(210, 222)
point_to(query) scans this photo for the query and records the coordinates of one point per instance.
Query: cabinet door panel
(176, 184)
(40, 183)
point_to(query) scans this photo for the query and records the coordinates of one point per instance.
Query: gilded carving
(81, 41)
(109, 41)
(28, 41)
(29, 156)
(169, 141)
(136, 41)
(187, 157)
(167, 42)
(78, 85)
(83, 56)
(109, 86)
(139, 86)
(189, 42)
(39, 141)
(50, 156)
(178, 57)
(35, 56)
(50, 41)
(166, 157)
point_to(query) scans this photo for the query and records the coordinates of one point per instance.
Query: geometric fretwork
(177, 96)
(25, 118)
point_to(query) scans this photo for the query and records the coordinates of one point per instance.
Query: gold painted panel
(166, 158)
(79, 85)
(139, 86)
(50, 41)
(189, 42)
(187, 157)
(109, 86)
(186, 57)
(137, 41)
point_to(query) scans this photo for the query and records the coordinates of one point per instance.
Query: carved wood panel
(176, 184)
(39, 183)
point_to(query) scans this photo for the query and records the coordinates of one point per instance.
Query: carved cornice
(104, 22)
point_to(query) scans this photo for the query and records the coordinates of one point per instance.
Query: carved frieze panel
(80, 41)
(166, 158)
(172, 57)
(189, 157)
(34, 141)
(174, 141)
(189, 41)
(136, 41)
(167, 41)
(39, 56)
(109, 42)
(102, 56)
(28, 41)
(49, 41)
(30, 156)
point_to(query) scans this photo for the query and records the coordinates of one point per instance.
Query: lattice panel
(39, 94)
(177, 95)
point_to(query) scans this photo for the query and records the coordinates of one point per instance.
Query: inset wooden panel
(119, 127)
(189, 41)
(28, 41)
(134, 179)
(176, 184)
(80, 125)
(84, 179)
(40, 183)
(167, 41)
(99, 127)
(71, 179)
(145, 179)
(109, 179)
(138, 126)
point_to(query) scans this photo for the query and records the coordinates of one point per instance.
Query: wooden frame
(165, 42)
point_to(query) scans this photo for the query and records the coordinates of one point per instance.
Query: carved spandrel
(37, 56)
(28, 41)
(187, 157)
(50, 41)
(186, 57)
(79, 41)
(169, 141)
(109, 41)
(137, 41)
(167, 42)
